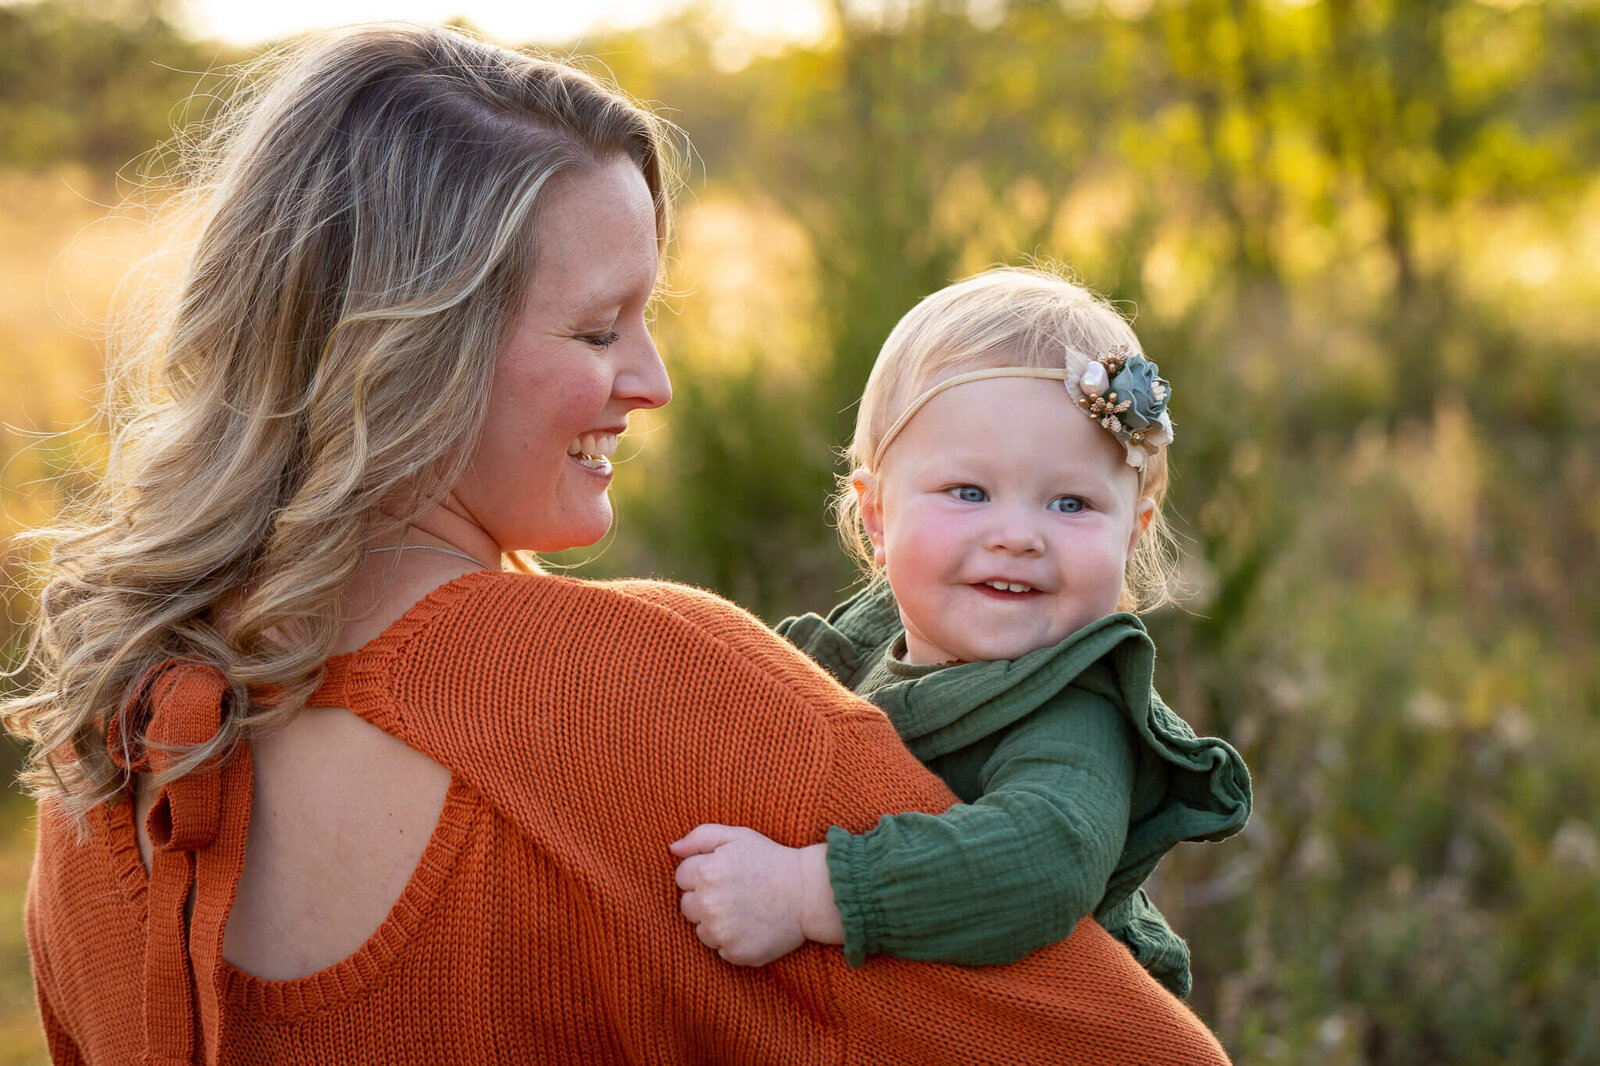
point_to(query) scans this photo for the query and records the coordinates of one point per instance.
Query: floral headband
(1125, 392)
(1121, 389)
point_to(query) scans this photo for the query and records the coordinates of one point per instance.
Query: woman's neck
(447, 525)
(389, 583)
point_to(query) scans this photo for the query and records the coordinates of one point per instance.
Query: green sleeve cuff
(1144, 931)
(856, 912)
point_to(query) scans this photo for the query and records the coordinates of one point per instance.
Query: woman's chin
(579, 531)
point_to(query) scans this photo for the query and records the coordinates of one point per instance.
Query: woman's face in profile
(574, 362)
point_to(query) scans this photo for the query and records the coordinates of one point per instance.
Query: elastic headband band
(961, 379)
(1103, 392)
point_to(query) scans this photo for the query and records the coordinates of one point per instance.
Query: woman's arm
(62, 1047)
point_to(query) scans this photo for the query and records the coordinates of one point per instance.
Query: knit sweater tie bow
(197, 827)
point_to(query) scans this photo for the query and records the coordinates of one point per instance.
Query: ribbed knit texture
(586, 726)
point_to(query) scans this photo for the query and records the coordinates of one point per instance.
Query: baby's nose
(1017, 535)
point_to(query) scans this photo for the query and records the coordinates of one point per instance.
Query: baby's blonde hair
(366, 214)
(1009, 316)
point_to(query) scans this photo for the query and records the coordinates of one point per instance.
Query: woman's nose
(644, 382)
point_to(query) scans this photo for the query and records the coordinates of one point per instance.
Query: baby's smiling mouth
(593, 451)
(1009, 589)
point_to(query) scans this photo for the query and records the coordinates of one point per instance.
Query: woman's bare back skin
(341, 812)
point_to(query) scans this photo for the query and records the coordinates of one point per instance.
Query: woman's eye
(969, 494)
(1068, 504)
(601, 340)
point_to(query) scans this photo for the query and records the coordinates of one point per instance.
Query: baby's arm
(751, 899)
(991, 881)
(986, 882)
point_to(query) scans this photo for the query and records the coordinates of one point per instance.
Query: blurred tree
(95, 82)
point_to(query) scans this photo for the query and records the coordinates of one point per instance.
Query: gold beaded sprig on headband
(1121, 389)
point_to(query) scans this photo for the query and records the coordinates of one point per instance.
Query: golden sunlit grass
(62, 262)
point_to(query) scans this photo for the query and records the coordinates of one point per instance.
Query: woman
(346, 791)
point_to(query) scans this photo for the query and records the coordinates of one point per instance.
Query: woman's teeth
(1009, 586)
(594, 450)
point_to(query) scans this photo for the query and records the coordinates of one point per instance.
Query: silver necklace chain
(429, 548)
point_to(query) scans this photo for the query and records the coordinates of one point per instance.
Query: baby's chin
(997, 646)
(1002, 634)
(1005, 650)
(969, 651)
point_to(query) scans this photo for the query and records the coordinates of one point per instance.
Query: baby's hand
(747, 895)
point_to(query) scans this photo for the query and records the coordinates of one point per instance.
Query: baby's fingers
(703, 838)
(752, 957)
(688, 873)
(692, 905)
(703, 931)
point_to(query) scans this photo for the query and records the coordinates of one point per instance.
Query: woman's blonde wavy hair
(364, 217)
(1008, 316)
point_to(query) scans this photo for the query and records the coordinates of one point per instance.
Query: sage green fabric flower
(1139, 382)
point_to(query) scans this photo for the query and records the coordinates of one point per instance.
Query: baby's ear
(865, 485)
(1143, 512)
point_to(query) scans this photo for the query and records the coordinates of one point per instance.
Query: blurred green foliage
(95, 82)
(1362, 237)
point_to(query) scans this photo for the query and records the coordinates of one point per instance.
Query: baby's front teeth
(1009, 586)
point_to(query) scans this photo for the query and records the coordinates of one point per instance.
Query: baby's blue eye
(1068, 504)
(969, 494)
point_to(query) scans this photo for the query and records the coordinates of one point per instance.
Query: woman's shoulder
(512, 608)
(523, 684)
(520, 630)
(523, 593)
(491, 609)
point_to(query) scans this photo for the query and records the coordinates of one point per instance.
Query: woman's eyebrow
(609, 293)
(596, 298)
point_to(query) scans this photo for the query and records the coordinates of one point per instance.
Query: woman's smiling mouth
(593, 451)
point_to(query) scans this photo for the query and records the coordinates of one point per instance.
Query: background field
(1361, 237)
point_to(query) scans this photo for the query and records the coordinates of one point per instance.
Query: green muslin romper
(1074, 779)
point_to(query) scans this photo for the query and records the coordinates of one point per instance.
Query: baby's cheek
(906, 561)
(919, 554)
(1098, 574)
(1111, 595)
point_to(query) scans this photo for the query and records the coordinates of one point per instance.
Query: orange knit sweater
(586, 725)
